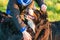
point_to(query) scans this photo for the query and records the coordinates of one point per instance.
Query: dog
(44, 30)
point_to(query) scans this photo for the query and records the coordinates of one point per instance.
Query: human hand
(26, 36)
(43, 8)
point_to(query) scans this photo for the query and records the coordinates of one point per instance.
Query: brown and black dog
(44, 28)
(42, 25)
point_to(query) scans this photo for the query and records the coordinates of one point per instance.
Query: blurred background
(53, 8)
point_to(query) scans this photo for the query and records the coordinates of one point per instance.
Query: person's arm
(40, 2)
(42, 5)
(13, 10)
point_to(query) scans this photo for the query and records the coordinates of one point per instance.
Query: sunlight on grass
(53, 16)
(3, 5)
(57, 6)
(53, 10)
(49, 3)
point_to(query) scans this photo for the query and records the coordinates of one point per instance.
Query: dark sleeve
(14, 12)
(39, 2)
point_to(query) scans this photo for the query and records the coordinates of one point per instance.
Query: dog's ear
(43, 15)
(37, 12)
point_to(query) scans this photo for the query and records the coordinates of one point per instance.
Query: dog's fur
(43, 28)
(42, 25)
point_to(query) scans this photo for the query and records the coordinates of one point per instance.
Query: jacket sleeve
(40, 2)
(13, 10)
